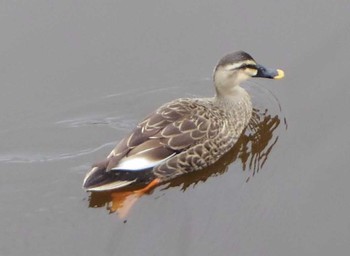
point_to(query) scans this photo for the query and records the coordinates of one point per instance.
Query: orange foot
(146, 189)
(123, 201)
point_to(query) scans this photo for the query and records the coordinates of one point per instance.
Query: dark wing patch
(180, 141)
(169, 131)
(187, 125)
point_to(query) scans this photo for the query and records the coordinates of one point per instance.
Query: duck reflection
(251, 152)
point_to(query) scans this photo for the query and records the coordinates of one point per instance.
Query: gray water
(76, 77)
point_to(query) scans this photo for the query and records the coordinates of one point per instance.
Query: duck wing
(170, 130)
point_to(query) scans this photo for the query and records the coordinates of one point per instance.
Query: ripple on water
(47, 157)
(115, 122)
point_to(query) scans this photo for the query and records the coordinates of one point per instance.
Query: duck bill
(269, 72)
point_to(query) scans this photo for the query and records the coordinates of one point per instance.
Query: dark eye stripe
(244, 66)
(247, 66)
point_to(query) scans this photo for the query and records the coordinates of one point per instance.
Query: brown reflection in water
(251, 151)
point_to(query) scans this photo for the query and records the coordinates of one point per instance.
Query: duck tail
(99, 179)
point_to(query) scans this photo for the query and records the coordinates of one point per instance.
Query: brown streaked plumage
(184, 135)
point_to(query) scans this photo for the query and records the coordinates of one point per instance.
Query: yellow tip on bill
(280, 74)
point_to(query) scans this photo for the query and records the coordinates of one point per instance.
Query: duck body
(184, 135)
(201, 135)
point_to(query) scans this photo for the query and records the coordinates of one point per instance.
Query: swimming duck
(184, 135)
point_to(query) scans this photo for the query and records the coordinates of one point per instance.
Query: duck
(185, 135)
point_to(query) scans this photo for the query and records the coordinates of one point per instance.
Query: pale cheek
(242, 77)
(222, 77)
(251, 72)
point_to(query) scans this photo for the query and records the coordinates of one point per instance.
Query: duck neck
(231, 94)
(236, 101)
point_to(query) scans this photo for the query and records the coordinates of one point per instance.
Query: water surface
(75, 78)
